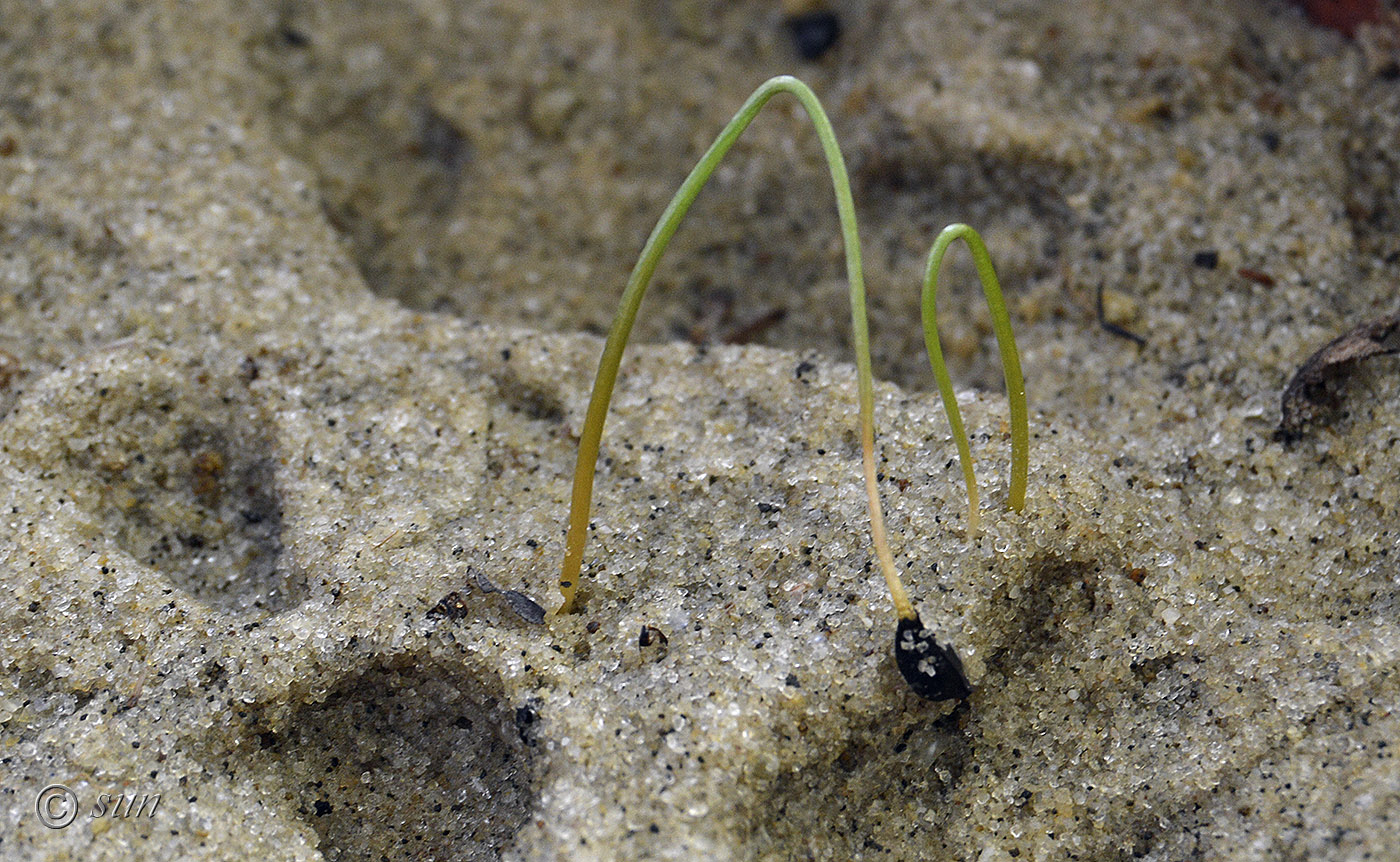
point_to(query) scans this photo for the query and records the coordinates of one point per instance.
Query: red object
(1257, 276)
(1344, 16)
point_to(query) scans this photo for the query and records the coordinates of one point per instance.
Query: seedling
(932, 670)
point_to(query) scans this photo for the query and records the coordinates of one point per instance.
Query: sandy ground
(298, 315)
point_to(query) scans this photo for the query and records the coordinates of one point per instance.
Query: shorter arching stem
(1010, 366)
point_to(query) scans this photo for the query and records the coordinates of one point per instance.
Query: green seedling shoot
(932, 670)
(1010, 367)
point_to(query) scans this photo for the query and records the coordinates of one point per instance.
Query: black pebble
(1208, 259)
(525, 718)
(932, 671)
(813, 33)
(294, 38)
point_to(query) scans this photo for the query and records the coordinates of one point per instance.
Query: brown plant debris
(528, 609)
(452, 606)
(1311, 394)
(1111, 327)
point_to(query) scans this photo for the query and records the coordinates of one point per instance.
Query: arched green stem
(1010, 366)
(592, 432)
